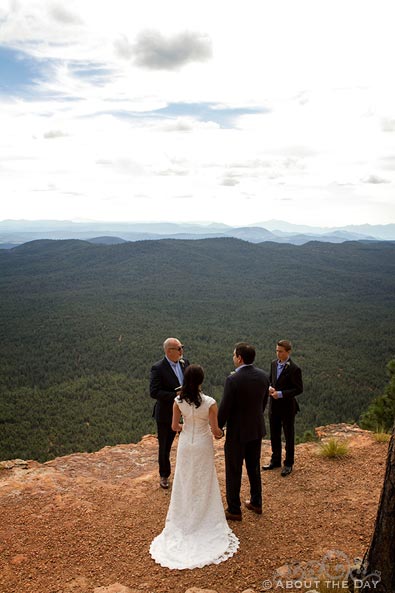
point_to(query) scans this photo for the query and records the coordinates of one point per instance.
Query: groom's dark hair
(246, 351)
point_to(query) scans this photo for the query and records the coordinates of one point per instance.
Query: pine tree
(381, 413)
(377, 572)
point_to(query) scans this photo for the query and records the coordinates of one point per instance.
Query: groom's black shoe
(271, 465)
(232, 516)
(286, 470)
(164, 483)
(252, 507)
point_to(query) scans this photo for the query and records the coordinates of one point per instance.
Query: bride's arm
(213, 421)
(175, 424)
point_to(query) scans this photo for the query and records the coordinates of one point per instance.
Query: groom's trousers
(235, 453)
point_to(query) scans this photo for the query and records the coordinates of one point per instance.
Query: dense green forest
(81, 325)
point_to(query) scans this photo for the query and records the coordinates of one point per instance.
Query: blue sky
(17, 70)
(176, 111)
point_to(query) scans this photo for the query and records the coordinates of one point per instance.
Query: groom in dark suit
(241, 408)
(285, 384)
(165, 379)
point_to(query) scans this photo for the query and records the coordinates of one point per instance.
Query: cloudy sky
(236, 112)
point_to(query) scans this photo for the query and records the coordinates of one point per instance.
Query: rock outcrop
(83, 523)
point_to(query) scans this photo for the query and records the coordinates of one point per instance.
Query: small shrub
(381, 436)
(309, 436)
(334, 449)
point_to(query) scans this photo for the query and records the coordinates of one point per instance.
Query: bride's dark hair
(193, 378)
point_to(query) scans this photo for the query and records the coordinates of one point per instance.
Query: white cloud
(63, 16)
(388, 124)
(130, 106)
(51, 134)
(230, 180)
(375, 179)
(166, 172)
(123, 47)
(155, 51)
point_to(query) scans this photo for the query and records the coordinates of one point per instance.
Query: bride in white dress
(196, 532)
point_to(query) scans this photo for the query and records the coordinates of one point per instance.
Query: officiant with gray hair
(166, 379)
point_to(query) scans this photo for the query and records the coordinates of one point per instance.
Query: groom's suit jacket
(290, 383)
(243, 403)
(163, 382)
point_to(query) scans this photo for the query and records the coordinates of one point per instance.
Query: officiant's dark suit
(166, 375)
(285, 384)
(241, 408)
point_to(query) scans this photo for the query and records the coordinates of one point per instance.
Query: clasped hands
(221, 435)
(273, 393)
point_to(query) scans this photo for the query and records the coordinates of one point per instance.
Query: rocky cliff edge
(83, 523)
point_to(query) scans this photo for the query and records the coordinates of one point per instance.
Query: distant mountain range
(16, 232)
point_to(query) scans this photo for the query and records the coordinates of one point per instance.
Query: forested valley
(81, 325)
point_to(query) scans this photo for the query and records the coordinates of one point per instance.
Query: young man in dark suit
(285, 384)
(165, 379)
(241, 408)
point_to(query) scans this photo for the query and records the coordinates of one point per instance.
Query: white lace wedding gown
(196, 532)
